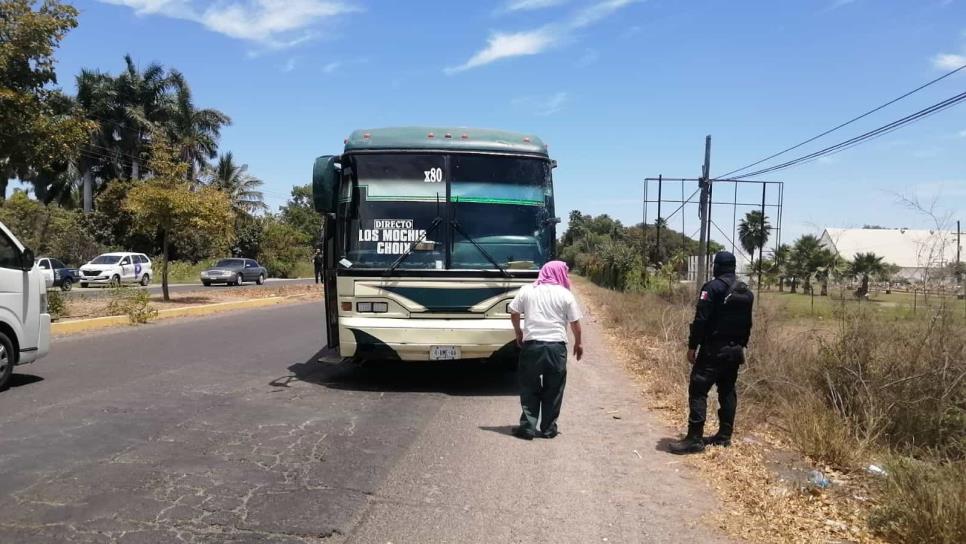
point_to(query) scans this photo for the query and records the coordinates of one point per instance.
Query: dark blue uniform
(719, 332)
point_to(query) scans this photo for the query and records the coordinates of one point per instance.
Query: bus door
(329, 285)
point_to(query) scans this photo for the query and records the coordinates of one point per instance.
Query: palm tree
(142, 103)
(865, 265)
(240, 186)
(779, 258)
(125, 110)
(753, 232)
(194, 132)
(805, 260)
(830, 265)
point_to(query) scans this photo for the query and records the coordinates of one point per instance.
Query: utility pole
(704, 184)
(959, 246)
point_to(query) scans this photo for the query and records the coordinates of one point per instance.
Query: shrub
(821, 434)
(283, 248)
(923, 502)
(183, 271)
(132, 302)
(58, 304)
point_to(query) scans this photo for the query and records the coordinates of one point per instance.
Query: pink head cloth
(554, 273)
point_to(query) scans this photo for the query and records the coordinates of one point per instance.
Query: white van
(24, 319)
(116, 268)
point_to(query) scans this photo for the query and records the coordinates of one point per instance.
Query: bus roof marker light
(464, 136)
(526, 139)
(447, 135)
(366, 136)
(430, 135)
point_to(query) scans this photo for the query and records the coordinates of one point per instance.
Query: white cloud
(503, 45)
(948, 61)
(288, 66)
(543, 105)
(598, 11)
(838, 4)
(961, 133)
(529, 5)
(273, 23)
(336, 65)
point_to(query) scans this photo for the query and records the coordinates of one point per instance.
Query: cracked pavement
(228, 429)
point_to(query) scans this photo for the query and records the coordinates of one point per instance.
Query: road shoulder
(465, 479)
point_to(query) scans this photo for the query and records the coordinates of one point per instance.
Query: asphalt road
(228, 429)
(155, 289)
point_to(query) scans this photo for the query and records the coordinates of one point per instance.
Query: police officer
(719, 334)
(317, 261)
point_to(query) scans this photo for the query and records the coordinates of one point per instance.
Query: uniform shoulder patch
(705, 295)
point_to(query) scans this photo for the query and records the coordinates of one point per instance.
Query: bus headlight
(372, 307)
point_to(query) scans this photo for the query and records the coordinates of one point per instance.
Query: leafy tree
(249, 234)
(283, 246)
(240, 186)
(865, 265)
(168, 204)
(299, 213)
(49, 229)
(39, 127)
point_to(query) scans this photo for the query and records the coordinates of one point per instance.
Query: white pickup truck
(24, 318)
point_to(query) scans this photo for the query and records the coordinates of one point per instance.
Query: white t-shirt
(546, 309)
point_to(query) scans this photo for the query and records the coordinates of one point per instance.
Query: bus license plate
(444, 353)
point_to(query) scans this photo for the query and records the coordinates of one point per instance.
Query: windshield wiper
(456, 226)
(412, 248)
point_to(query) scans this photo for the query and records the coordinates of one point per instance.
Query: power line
(849, 122)
(881, 131)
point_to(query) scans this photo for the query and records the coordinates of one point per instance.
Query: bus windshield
(449, 212)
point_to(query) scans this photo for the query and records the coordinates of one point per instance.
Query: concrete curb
(83, 325)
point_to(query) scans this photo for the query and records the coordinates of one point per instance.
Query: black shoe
(717, 440)
(692, 443)
(549, 434)
(522, 433)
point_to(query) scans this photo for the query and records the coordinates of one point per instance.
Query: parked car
(234, 272)
(24, 318)
(116, 268)
(57, 274)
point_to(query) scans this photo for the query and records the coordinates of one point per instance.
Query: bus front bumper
(419, 339)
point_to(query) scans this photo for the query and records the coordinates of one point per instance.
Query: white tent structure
(919, 254)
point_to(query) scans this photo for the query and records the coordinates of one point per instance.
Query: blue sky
(620, 89)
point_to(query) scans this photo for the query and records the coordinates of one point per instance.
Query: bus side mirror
(27, 260)
(325, 183)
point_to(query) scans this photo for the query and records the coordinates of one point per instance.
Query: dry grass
(841, 391)
(79, 305)
(924, 500)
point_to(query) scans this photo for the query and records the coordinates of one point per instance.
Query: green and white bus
(429, 232)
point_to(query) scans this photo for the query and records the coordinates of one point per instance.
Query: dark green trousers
(543, 375)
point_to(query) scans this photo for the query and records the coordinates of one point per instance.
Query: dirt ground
(84, 306)
(761, 480)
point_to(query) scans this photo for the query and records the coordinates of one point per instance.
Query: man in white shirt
(546, 307)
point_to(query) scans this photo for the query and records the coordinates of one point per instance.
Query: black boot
(692, 443)
(717, 439)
